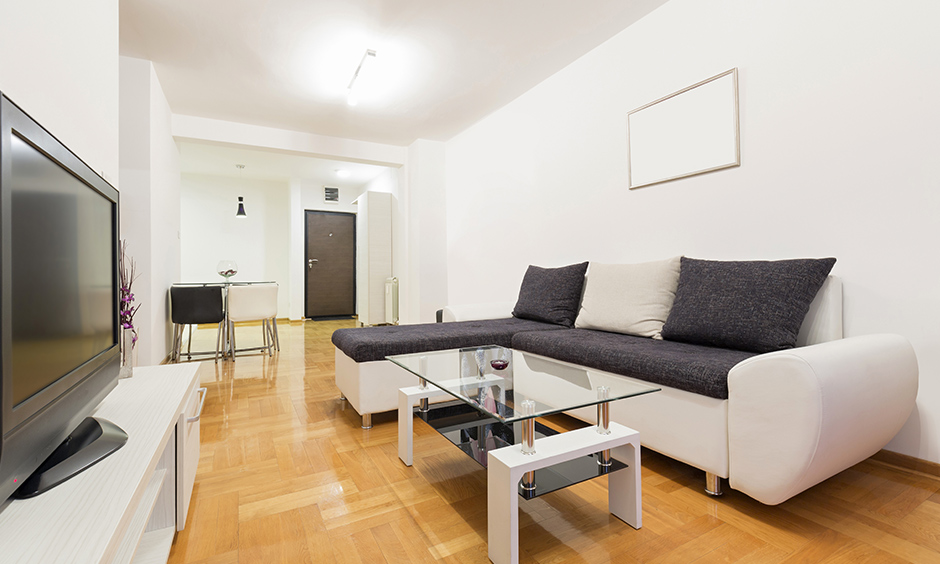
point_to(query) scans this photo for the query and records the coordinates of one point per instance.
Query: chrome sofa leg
(367, 421)
(712, 484)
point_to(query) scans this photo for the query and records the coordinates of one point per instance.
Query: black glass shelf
(475, 434)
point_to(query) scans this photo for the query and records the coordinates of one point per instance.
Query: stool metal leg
(179, 342)
(272, 331)
(231, 339)
(264, 335)
(270, 335)
(174, 352)
(218, 341)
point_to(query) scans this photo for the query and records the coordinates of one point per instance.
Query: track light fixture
(351, 95)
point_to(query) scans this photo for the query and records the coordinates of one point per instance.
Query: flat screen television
(59, 353)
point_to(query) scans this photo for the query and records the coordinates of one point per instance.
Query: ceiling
(440, 66)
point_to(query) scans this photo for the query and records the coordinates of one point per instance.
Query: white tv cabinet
(127, 507)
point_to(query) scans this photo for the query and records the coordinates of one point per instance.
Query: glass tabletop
(500, 382)
(222, 283)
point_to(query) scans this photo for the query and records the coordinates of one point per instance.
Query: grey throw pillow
(755, 306)
(552, 295)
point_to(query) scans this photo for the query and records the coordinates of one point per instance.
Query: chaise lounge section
(370, 383)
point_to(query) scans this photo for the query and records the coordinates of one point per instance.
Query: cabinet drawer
(187, 453)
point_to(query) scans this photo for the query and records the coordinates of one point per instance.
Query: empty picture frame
(689, 132)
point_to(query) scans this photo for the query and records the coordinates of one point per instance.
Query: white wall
(424, 284)
(839, 158)
(135, 195)
(60, 65)
(165, 217)
(150, 210)
(210, 232)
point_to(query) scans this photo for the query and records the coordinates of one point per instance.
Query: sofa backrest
(823, 321)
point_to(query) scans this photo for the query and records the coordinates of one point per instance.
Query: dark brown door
(330, 264)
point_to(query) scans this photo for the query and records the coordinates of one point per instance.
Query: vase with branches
(127, 273)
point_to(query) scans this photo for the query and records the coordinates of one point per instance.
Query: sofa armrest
(799, 416)
(472, 312)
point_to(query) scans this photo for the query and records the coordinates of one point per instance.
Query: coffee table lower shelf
(463, 425)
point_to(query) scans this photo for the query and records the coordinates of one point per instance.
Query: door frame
(355, 260)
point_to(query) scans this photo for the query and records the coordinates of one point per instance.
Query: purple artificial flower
(127, 271)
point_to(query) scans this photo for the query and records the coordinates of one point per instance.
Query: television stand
(127, 507)
(90, 442)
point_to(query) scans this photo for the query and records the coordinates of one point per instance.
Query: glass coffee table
(495, 395)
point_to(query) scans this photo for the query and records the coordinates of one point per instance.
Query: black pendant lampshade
(241, 208)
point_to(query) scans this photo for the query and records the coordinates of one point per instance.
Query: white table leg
(624, 491)
(506, 466)
(405, 426)
(407, 398)
(502, 511)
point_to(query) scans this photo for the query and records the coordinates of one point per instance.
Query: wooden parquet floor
(287, 475)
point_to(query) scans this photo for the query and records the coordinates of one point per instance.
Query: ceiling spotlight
(352, 97)
(342, 173)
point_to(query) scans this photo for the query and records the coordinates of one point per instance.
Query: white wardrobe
(373, 255)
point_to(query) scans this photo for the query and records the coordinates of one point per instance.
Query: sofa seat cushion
(693, 368)
(366, 344)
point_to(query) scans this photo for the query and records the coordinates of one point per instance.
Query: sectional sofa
(758, 384)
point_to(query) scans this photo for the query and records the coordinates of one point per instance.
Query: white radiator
(391, 301)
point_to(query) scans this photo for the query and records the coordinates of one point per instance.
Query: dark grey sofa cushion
(693, 368)
(552, 295)
(366, 344)
(756, 306)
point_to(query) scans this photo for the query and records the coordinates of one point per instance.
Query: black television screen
(59, 354)
(61, 240)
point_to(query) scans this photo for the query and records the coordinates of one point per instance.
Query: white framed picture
(689, 132)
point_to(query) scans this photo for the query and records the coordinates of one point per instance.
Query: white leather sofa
(792, 418)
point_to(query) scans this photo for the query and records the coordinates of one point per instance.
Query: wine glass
(480, 356)
(226, 269)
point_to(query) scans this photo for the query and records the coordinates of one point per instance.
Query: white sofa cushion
(633, 299)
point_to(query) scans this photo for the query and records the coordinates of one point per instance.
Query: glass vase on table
(128, 352)
(226, 269)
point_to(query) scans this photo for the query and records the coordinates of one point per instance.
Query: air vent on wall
(331, 195)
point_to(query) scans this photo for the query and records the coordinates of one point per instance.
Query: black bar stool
(193, 305)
